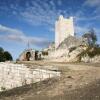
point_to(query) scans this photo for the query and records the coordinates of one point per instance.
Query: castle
(63, 28)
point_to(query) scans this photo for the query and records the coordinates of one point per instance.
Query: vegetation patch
(5, 55)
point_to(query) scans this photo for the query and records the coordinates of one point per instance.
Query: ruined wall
(15, 75)
(23, 57)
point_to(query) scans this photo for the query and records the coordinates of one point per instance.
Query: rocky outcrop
(63, 55)
(68, 50)
(95, 59)
(72, 41)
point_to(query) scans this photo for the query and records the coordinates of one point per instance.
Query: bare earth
(78, 81)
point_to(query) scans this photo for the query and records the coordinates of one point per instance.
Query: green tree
(1, 54)
(1, 50)
(7, 56)
(1, 57)
(91, 37)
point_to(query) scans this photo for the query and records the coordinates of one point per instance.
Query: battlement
(63, 28)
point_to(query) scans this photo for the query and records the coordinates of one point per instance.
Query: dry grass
(78, 81)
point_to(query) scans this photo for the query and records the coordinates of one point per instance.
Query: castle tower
(63, 28)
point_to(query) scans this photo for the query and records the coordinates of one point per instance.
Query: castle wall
(63, 29)
(22, 57)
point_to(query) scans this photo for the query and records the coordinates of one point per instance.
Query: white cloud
(92, 3)
(45, 12)
(37, 12)
(10, 34)
(10, 30)
(85, 20)
(81, 30)
(83, 13)
(42, 13)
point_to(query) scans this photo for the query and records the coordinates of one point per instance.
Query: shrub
(5, 55)
(72, 49)
(3, 88)
(90, 51)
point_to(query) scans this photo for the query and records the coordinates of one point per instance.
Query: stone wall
(15, 75)
(23, 57)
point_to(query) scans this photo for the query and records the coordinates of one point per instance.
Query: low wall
(15, 75)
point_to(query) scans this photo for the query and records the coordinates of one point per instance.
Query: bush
(72, 49)
(3, 88)
(44, 53)
(5, 55)
(90, 51)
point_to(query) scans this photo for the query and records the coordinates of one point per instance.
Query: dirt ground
(78, 81)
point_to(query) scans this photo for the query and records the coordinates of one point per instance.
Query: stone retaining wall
(15, 75)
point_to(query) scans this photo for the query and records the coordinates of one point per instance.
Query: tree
(87, 35)
(1, 57)
(1, 54)
(91, 37)
(1, 50)
(7, 56)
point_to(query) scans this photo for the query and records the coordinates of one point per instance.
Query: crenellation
(63, 29)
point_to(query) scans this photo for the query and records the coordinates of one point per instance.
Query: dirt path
(77, 82)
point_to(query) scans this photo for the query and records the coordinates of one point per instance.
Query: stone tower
(63, 28)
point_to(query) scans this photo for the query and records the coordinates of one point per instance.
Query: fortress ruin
(63, 28)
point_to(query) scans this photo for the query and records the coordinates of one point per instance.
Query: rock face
(95, 59)
(68, 50)
(72, 41)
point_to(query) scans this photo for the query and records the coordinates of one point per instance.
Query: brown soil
(78, 81)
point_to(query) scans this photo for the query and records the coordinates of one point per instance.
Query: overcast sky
(34, 21)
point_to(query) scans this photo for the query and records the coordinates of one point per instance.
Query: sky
(33, 21)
